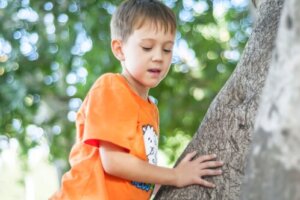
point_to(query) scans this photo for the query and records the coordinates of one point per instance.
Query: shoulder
(112, 88)
(109, 82)
(106, 80)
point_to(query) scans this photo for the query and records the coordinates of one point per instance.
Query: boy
(114, 157)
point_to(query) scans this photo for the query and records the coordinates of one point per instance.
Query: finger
(211, 164)
(210, 172)
(205, 183)
(206, 158)
(189, 156)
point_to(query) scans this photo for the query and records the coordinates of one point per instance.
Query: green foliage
(52, 52)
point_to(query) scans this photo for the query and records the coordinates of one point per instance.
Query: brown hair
(131, 14)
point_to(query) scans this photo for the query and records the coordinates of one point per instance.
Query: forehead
(154, 24)
(153, 29)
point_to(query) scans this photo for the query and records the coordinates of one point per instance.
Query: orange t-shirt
(111, 112)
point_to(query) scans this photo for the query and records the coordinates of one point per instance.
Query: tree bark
(227, 126)
(273, 171)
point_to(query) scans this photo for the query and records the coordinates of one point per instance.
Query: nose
(158, 55)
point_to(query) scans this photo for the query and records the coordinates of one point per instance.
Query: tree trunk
(273, 172)
(229, 121)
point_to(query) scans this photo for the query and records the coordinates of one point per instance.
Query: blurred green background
(51, 52)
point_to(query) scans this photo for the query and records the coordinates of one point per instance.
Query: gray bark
(229, 121)
(273, 171)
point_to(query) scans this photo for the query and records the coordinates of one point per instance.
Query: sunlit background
(52, 51)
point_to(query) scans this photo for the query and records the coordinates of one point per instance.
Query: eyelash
(149, 49)
(146, 48)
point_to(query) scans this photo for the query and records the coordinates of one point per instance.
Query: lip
(154, 70)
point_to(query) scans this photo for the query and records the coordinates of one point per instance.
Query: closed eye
(167, 50)
(146, 48)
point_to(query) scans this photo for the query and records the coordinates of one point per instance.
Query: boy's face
(147, 56)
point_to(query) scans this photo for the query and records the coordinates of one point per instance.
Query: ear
(116, 47)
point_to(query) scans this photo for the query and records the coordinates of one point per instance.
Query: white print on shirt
(151, 144)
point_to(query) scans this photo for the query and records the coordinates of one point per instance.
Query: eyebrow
(147, 39)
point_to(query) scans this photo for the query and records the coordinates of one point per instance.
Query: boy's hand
(190, 171)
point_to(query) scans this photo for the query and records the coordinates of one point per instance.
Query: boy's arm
(116, 161)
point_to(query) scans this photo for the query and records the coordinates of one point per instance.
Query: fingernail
(214, 155)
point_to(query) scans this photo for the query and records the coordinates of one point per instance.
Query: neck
(136, 87)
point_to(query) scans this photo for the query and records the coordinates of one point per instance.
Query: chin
(153, 85)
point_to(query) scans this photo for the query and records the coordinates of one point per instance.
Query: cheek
(136, 56)
(169, 59)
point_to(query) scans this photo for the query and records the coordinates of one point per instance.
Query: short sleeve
(111, 114)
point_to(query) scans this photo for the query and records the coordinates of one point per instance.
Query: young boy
(114, 157)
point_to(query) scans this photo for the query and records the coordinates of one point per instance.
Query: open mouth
(154, 70)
